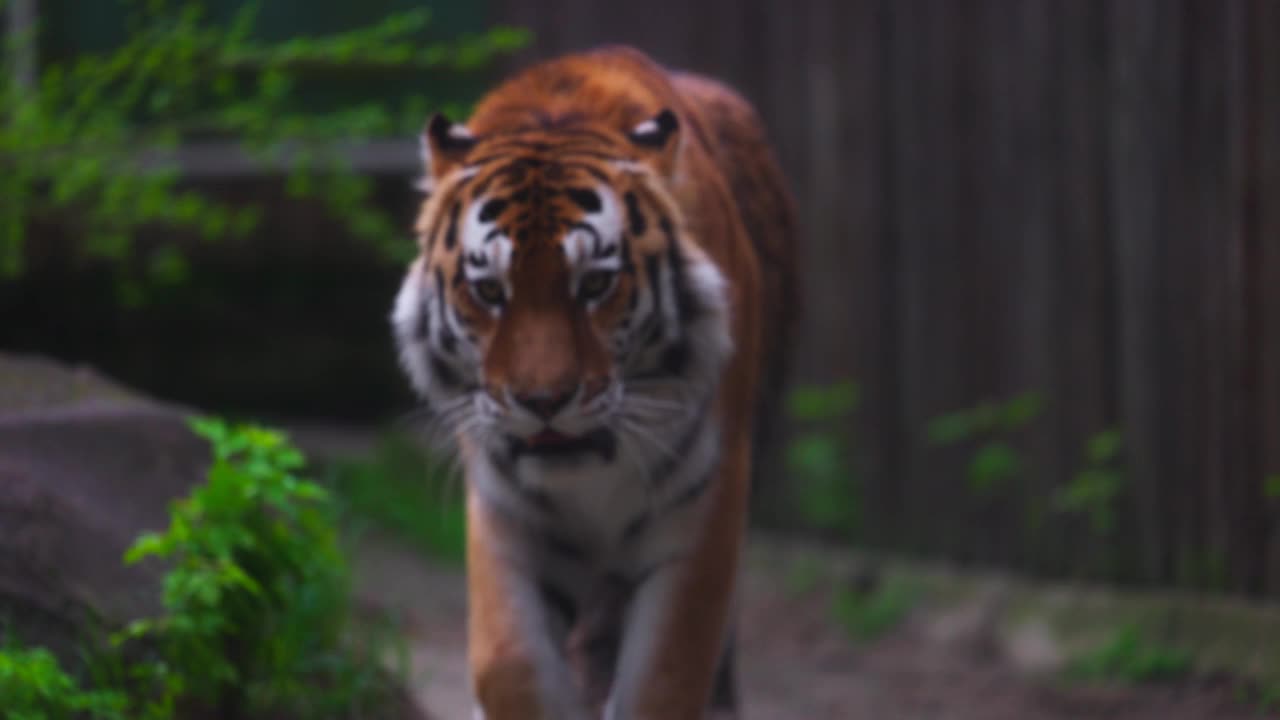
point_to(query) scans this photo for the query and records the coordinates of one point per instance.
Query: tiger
(602, 285)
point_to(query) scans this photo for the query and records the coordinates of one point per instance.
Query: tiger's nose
(544, 404)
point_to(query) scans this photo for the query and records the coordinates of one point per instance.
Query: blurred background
(1040, 329)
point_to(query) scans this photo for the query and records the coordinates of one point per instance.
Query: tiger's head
(559, 312)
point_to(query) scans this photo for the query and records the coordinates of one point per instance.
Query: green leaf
(992, 465)
(147, 545)
(951, 428)
(1022, 409)
(823, 402)
(1104, 446)
(1271, 487)
(814, 455)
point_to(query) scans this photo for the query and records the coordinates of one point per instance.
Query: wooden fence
(1079, 198)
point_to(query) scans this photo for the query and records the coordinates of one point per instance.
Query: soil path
(798, 664)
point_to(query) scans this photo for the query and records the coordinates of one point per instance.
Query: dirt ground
(798, 664)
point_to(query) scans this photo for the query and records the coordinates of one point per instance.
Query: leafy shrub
(1093, 490)
(255, 606)
(818, 458)
(1130, 656)
(91, 138)
(995, 461)
(33, 686)
(869, 615)
(255, 601)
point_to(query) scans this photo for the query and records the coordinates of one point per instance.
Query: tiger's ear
(659, 137)
(443, 146)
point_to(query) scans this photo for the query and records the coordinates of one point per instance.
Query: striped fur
(584, 321)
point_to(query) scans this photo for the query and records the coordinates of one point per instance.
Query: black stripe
(636, 527)
(564, 548)
(492, 209)
(586, 228)
(422, 330)
(483, 185)
(675, 359)
(502, 463)
(655, 286)
(686, 306)
(628, 266)
(448, 341)
(635, 218)
(559, 602)
(451, 235)
(444, 372)
(691, 493)
(584, 198)
(724, 694)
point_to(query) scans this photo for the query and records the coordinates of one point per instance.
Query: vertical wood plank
(1142, 35)
(1264, 156)
(1082, 401)
(996, 197)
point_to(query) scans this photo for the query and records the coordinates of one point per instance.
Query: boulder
(85, 467)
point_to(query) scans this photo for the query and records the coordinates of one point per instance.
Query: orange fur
(727, 192)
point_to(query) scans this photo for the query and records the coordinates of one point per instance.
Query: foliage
(35, 687)
(1271, 487)
(818, 457)
(255, 600)
(1093, 490)
(255, 610)
(404, 490)
(995, 461)
(92, 139)
(1130, 656)
(869, 615)
(1267, 698)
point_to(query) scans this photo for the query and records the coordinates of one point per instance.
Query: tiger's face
(558, 312)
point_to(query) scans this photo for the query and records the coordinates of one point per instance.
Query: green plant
(1267, 698)
(826, 491)
(89, 143)
(33, 686)
(1271, 487)
(255, 600)
(406, 491)
(255, 617)
(995, 461)
(869, 615)
(1130, 656)
(1093, 490)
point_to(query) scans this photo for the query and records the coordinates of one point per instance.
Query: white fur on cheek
(406, 319)
(712, 333)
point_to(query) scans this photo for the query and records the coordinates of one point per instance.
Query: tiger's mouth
(549, 443)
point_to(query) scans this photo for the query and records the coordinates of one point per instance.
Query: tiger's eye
(489, 291)
(595, 284)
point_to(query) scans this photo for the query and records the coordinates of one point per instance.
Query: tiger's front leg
(517, 669)
(675, 632)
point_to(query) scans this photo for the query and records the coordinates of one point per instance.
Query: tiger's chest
(575, 525)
